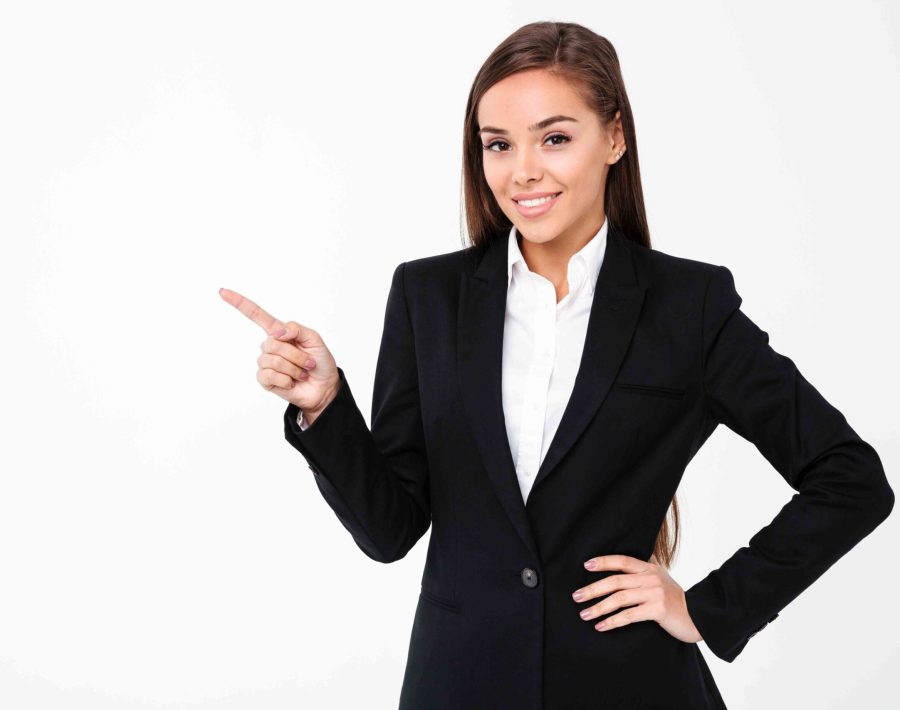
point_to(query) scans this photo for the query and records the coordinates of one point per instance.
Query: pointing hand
(295, 364)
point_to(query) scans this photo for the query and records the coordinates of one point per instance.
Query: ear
(617, 132)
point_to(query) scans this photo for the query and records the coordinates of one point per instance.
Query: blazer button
(529, 577)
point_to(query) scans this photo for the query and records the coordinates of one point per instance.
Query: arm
(375, 481)
(843, 493)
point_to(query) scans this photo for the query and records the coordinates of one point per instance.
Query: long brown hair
(589, 63)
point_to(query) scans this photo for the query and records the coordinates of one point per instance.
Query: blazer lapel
(615, 309)
(480, 324)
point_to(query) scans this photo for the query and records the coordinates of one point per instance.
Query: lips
(537, 211)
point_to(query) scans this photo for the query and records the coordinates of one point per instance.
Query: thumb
(292, 331)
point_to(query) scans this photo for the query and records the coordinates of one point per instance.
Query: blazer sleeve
(842, 492)
(376, 481)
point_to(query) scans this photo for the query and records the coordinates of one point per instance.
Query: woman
(537, 398)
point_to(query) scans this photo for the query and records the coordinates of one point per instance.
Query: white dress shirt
(542, 345)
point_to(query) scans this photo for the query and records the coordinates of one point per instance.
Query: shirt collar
(589, 257)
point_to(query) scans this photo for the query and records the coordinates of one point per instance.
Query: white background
(161, 544)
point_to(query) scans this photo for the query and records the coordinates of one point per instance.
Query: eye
(559, 135)
(490, 146)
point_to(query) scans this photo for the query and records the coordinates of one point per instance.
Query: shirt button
(529, 578)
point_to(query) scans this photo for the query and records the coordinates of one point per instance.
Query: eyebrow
(536, 127)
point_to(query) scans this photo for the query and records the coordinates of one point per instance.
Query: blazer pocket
(440, 601)
(653, 390)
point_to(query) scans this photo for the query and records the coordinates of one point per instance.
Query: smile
(539, 201)
(538, 207)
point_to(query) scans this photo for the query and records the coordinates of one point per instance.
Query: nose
(528, 167)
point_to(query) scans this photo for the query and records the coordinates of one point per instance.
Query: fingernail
(310, 363)
(578, 596)
(590, 564)
(278, 333)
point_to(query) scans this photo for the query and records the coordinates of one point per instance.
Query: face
(527, 153)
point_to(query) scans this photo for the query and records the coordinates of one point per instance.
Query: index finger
(259, 316)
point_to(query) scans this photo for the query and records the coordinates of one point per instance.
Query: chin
(541, 236)
(541, 233)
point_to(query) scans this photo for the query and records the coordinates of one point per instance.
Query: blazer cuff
(325, 433)
(723, 634)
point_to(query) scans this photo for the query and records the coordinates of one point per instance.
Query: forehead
(523, 98)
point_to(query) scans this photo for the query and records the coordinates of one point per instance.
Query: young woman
(537, 398)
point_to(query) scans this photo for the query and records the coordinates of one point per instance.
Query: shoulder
(439, 269)
(682, 284)
(654, 266)
(452, 261)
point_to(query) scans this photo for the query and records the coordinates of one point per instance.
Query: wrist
(310, 415)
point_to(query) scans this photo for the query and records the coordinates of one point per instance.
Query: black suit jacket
(668, 356)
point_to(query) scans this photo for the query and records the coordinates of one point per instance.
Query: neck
(551, 259)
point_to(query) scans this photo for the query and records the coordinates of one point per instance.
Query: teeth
(535, 203)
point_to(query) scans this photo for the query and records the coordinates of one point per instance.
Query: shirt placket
(537, 380)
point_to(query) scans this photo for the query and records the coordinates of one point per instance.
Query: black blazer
(668, 356)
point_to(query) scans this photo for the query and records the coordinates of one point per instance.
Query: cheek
(584, 179)
(494, 176)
